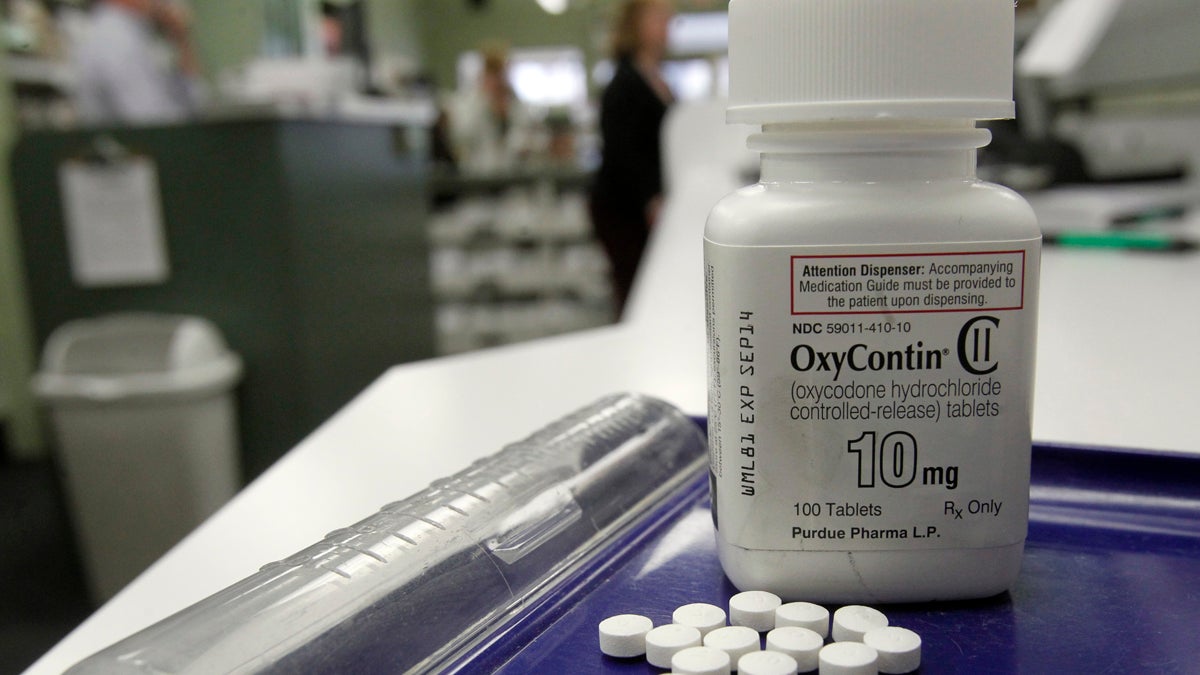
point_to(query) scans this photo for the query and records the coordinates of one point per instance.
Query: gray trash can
(142, 409)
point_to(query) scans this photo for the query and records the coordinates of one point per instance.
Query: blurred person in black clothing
(627, 194)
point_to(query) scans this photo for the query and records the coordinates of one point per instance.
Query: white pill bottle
(871, 307)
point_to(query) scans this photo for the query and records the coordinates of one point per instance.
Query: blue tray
(1110, 581)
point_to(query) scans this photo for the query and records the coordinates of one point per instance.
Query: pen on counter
(1129, 241)
(1150, 215)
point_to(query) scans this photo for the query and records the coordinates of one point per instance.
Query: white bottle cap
(806, 60)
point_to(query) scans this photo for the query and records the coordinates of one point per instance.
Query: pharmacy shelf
(47, 74)
(452, 184)
(513, 258)
(43, 91)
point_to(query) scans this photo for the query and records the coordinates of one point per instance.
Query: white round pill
(805, 615)
(700, 661)
(851, 622)
(767, 663)
(754, 609)
(624, 635)
(801, 644)
(664, 641)
(899, 649)
(734, 640)
(848, 658)
(700, 615)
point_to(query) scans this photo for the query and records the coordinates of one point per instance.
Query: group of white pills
(698, 641)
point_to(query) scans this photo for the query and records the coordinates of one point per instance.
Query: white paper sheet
(114, 222)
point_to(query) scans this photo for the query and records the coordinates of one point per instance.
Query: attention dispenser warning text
(908, 283)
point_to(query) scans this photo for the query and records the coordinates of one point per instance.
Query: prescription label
(868, 398)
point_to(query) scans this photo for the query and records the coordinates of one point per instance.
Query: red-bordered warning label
(908, 283)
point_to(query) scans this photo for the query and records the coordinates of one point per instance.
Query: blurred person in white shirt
(491, 130)
(136, 64)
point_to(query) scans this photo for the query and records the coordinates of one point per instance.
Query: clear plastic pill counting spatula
(434, 572)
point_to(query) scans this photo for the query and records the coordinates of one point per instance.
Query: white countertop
(1118, 366)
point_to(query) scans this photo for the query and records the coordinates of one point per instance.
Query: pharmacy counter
(1117, 366)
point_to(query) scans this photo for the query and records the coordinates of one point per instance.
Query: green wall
(451, 27)
(446, 28)
(429, 33)
(227, 33)
(16, 343)
(395, 28)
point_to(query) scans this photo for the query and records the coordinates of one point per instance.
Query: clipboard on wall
(112, 210)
